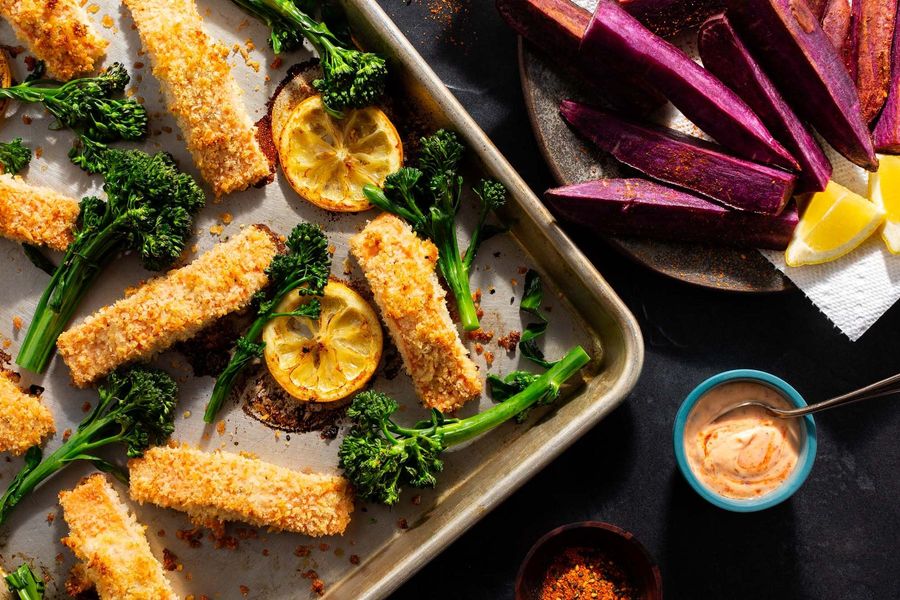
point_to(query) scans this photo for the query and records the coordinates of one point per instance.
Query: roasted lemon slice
(835, 222)
(884, 191)
(328, 359)
(328, 161)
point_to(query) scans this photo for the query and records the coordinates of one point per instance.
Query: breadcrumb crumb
(24, 420)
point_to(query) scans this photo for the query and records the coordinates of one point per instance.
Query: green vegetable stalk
(429, 199)
(87, 106)
(136, 408)
(149, 209)
(351, 79)
(379, 456)
(24, 585)
(304, 268)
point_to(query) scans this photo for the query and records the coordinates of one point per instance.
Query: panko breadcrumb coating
(57, 32)
(400, 269)
(201, 92)
(171, 308)
(24, 420)
(215, 487)
(36, 215)
(111, 544)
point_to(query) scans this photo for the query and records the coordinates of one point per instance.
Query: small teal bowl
(807, 452)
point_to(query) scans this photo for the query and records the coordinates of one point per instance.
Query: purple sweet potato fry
(685, 161)
(555, 27)
(727, 57)
(637, 207)
(616, 37)
(887, 129)
(792, 48)
(875, 29)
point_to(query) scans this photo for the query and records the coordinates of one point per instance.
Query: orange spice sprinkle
(585, 573)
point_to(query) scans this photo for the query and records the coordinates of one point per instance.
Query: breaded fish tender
(24, 420)
(400, 269)
(57, 32)
(36, 215)
(201, 93)
(215, 487)
(107, 538)
(170, 308)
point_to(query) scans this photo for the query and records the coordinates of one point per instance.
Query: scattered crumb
(39, 151)
(50, 518)
(514, 282)
(402, 523)
(245, 591)
(86, 407)
(187, 414)
(161, 533)
(93, 8)
(479, 349)
(276, 63)
(489, 358)
(480, 335)
(107, 21)
(301, 551)
(26, 119)
(191, 536)
(17, 323)
(215, 230)
(226, 218)
(509, 341)
(354, 559)
(220, 427)
(170, 561)
(66, 435)
(416, 500)
(323, 547)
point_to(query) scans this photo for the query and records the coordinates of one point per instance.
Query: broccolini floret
(14, 156)
(379, 456)
(24, 585)
(428, 198)
(304, 267)
(149, 210)
(351, 78)
(87, 106)
(136, 408)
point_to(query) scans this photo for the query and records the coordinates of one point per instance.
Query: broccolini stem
(457, 279)
(239, 360)
(71, 280)
(549, 382)
(73, 449)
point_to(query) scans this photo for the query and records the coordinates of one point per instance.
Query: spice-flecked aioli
(748, 452)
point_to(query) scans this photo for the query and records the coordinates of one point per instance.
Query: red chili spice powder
(585, 574)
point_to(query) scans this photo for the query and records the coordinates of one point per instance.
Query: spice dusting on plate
(586, 574)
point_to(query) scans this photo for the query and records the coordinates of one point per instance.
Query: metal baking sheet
(390, 544)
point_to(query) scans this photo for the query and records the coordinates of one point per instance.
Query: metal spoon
(885, 387)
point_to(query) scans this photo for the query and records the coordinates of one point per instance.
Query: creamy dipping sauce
(748, 452)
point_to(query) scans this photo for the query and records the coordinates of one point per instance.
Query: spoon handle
(885, 387)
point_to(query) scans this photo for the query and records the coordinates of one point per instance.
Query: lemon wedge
(328, 161)
(325, 359)
(835, 222)
(884, 191)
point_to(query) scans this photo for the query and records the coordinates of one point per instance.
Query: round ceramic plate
(573, 160)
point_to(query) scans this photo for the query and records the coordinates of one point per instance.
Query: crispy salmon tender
(106, 537)
(400, 269)
(201, 93)
(36, 215)
(215, 487)
(171, 308)
(57, 32)
(24, 420)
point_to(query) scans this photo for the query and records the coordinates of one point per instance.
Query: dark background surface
(836, 538)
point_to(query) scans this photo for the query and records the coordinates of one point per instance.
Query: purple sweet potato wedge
(839, 22)
(685, 161)
(887, 129)
(669, 17)
(727, 57)
(875, 29)
(555, 27)
(790, 45)
(616, 37)
(637, 207)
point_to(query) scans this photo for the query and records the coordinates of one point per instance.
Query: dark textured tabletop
(837, 538)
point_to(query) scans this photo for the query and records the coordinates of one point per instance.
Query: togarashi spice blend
(585, 574)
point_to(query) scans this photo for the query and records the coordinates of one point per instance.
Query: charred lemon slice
(328, 161)
(325, 359)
